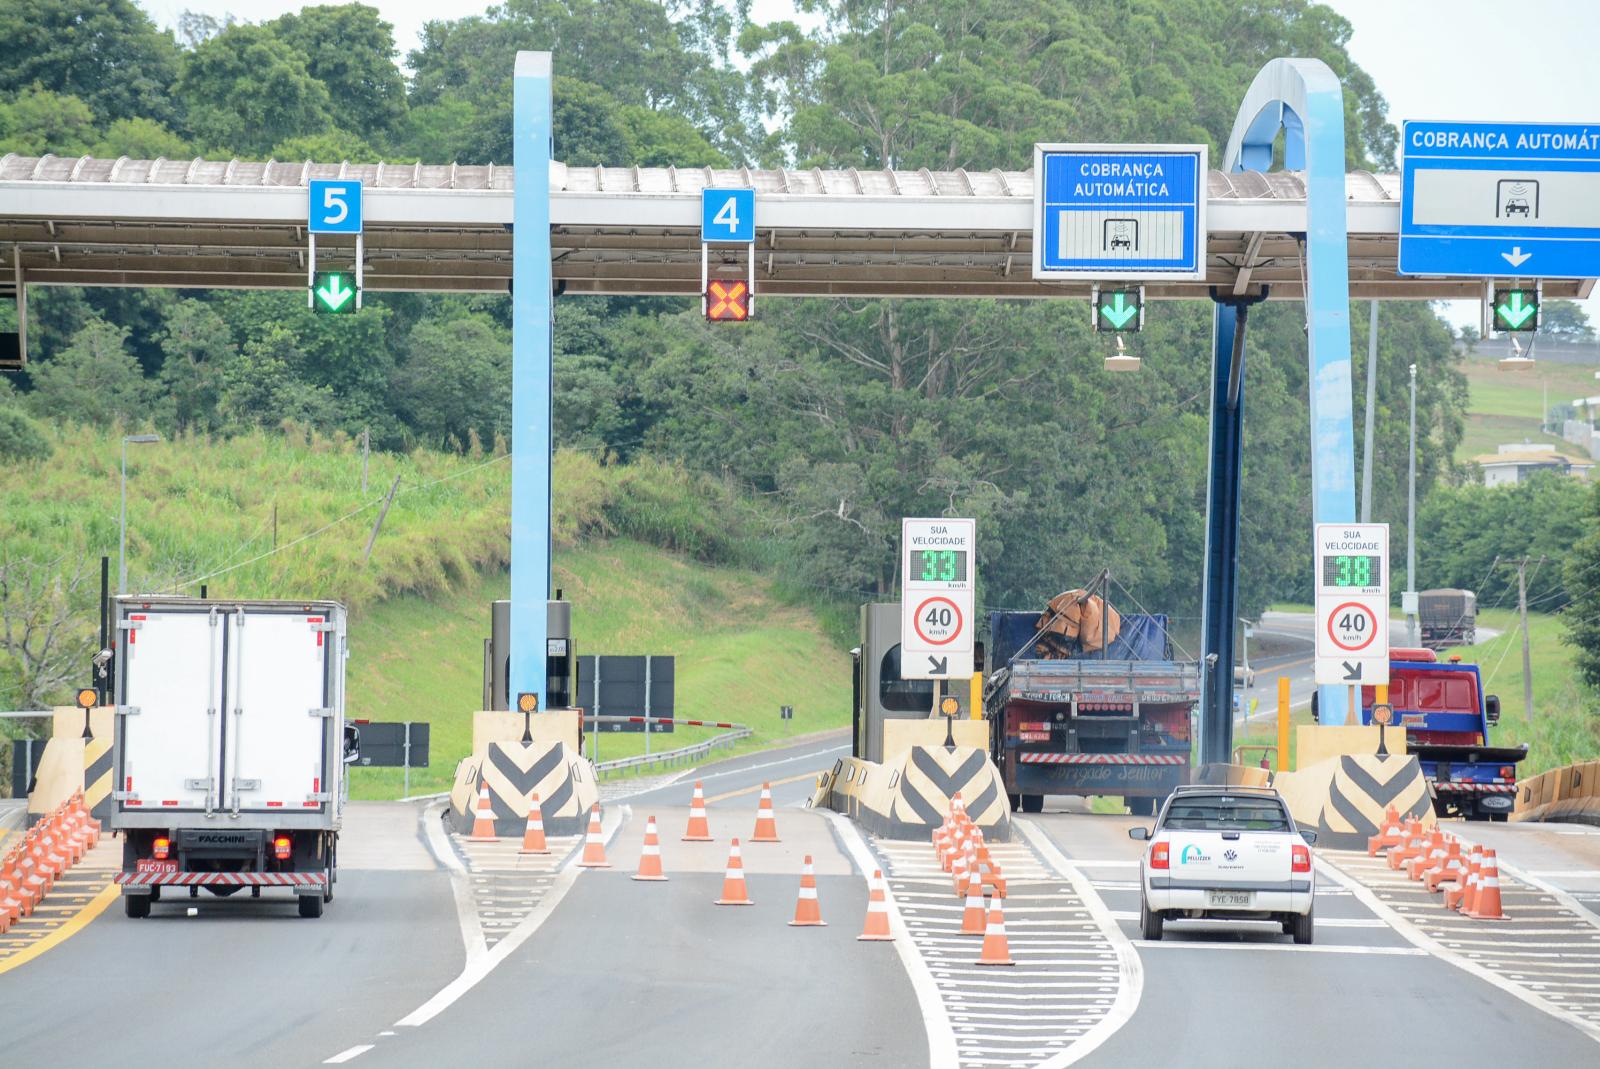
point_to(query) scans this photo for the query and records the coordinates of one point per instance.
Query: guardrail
(733, 732)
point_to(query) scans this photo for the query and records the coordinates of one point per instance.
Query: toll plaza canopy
(636, 230)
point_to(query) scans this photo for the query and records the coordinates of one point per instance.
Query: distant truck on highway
(1114, 721)
(230, 747)
(1447, 618)
(1446, 718)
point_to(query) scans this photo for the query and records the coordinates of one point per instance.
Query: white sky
(1432, 59)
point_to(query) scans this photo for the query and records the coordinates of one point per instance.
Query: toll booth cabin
(881, 694)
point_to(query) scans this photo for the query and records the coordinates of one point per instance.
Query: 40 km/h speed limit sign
(936, 599)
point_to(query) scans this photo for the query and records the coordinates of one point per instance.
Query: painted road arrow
(1516, 257)
(1352, 672)
(941, 665)
(1518, 313)
(1117, 312)
(334, 294)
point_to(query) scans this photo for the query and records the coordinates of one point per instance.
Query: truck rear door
(1235, 845)
(278, 710)
(171, 665)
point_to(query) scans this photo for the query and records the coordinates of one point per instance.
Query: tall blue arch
(1303, 99)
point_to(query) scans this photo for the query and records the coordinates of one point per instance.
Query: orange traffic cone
(483, 818)
(1448, 869)
(766, 820)
(996, 950)
(699, 830)
(1487, 907)
(594, 844)
(1434, 855)
(958, 872)
(877, 927)
(734, 892)
(650, 854)
(533, 838)
(807, 910)
(974, 916)
(1458, 896)
(1392, 833)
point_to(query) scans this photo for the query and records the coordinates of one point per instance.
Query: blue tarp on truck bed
(1143, 638)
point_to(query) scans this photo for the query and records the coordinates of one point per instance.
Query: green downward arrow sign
(1518, 313)
(335, 293)
(1118, 312)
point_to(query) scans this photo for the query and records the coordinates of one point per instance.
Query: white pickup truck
(1226, 853)
(230, 747)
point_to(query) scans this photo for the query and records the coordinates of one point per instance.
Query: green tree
(350, 49)
(38, 121)
(1581, 574)
(196, 347)
(93, 380)
(106, 52)
(1464, 530)
(265, 386)
(21, 439)
(329, 146)
(142, 139)
(1566, 320)
(455, 382)
(246, 91)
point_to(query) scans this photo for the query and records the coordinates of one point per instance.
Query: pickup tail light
(1160, 855)
(1300, 858)
(280, 848)
(162, 847)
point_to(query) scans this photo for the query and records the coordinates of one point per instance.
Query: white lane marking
(1292, 948)
(1130, 981)
(1567, 874)
(942, 1051)
(1534, 879)
(812, 756)
(472, 937)
(346, 1055)
(477, 969)
(656, 786)
(1415, 935)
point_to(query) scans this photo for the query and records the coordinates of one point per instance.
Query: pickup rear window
(1224, 813)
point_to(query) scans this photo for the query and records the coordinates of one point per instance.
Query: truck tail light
(1300, 858)
(1508, 773)
(162, 848)
(280, 848)
(1033, 725)
(1160, 855)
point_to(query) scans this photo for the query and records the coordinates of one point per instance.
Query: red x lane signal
(727, 301)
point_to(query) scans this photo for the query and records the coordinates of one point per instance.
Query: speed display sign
(1352, 603)
(936, 599)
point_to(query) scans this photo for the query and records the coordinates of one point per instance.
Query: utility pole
(1410, 597)
(1372, 395)
(1522, 610)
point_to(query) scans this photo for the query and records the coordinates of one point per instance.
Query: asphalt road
(736, 783)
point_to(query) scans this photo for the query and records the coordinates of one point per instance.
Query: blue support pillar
(1302, 98)
(530, 376)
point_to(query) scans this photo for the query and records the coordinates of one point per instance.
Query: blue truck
(1063, 721)
(1446, 718)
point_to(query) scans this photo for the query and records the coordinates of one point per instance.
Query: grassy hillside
(1507, 406)
(655, 560)
(740, 654)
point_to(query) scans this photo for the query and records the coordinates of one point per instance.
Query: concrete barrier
(1570, 793)
(1343, 799)
(72, 763)
(513, 770)
(909, 795)
(1233, 775)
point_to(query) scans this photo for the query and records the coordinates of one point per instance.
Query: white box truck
(230, 747)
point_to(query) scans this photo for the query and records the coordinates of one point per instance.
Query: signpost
(1119, 212)
(1500, 200)
(727, 216)
(936, 598)
(1352, 561)
(333, 206)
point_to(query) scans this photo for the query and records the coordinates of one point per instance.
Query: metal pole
(122, 527)
(1283, 723)
(1372, 395)
(405, 760)
(1527, 664)
(1411, 518)
(366, 439)
(647, 703)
